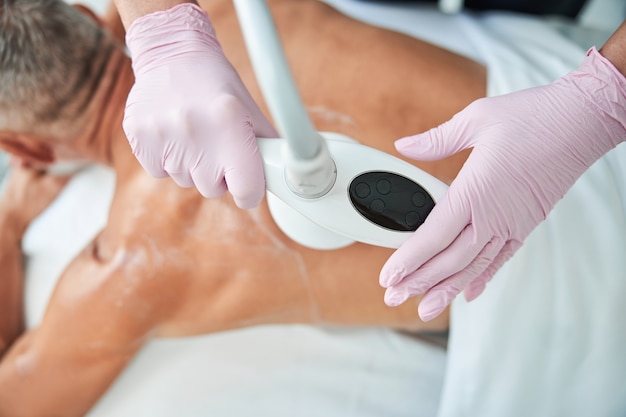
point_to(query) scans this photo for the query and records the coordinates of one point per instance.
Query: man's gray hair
(48, 51)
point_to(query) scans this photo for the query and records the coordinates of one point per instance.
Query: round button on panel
(383, 187)
(362, 190)
(377, 206)
(418, 199)
(413, 219)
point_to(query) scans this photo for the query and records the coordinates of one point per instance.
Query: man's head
(50, 63)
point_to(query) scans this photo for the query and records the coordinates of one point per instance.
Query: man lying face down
(169, 262)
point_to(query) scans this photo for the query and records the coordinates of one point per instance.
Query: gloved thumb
(439, 142)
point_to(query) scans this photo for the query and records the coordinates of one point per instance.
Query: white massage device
(325, 190)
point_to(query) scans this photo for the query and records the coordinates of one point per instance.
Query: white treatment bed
(548, 337)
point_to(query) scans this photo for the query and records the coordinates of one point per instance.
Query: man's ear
(86, 10)
(111, 20)
(27, 148)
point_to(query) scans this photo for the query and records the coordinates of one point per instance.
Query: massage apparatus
(325, 190)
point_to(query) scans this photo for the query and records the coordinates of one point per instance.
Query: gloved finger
(150, 165)
(182, 179)
(246, 181)
(443, 225)
(209, 181)
(244, 175)
(457, 257)
(477, 286)
(243, 167)
(437, 143)
(440, 296)
(138, 134)
(173, 159)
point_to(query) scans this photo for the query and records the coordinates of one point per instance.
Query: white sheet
(548, 336)
(545, 340)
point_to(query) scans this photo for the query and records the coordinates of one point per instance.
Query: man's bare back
(170, 263)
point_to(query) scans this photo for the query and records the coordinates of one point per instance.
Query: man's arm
(132, 9)
(99, 316)
(11, 282)
(27, 193)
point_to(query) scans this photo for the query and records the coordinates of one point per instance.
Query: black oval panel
(390, 200)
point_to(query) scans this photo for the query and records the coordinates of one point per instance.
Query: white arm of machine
(327, 191)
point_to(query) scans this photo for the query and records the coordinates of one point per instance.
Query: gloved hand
(529, 148)
(189, 115)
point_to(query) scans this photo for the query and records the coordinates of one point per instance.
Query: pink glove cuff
(184, 28)
(605, 88)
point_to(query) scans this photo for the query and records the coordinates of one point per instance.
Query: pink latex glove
(189, 115)
(529, 148)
